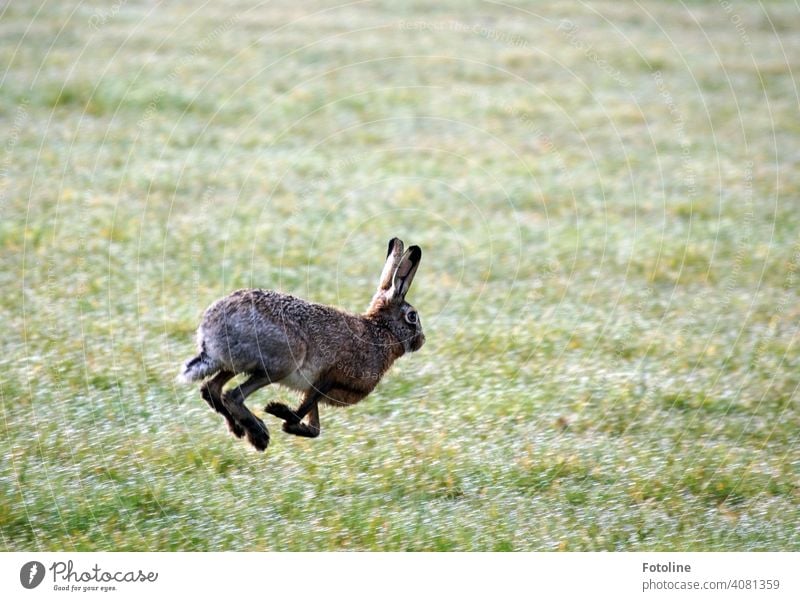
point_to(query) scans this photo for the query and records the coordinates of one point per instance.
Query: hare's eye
(411, 317)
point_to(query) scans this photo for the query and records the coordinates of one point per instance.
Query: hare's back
(254, 330)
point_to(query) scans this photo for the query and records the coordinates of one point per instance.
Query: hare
(332, 356)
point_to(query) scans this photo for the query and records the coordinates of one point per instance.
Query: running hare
(331, 356)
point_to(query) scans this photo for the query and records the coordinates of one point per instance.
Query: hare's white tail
(198, 368)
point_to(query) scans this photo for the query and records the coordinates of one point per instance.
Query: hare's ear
(393, 256)
(405, 272)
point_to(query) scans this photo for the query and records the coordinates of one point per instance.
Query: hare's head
(389, 303)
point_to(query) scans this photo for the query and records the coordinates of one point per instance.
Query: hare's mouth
(417, 342)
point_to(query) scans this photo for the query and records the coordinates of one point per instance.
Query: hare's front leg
(293, 419)
(233, 401)
(310, 429)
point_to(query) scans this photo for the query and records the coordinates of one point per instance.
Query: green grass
(609, 284)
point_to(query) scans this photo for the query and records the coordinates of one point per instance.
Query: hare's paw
(257, 434)
(283, 412)
(300, 429)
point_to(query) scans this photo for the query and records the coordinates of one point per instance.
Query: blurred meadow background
(607, 198)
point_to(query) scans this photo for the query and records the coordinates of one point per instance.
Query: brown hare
(332, 356)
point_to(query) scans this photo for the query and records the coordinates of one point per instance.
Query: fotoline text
(669, 567)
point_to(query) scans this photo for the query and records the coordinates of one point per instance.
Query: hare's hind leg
(211, 391)
(233, 401)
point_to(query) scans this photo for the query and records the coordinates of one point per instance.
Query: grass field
(607, 199)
